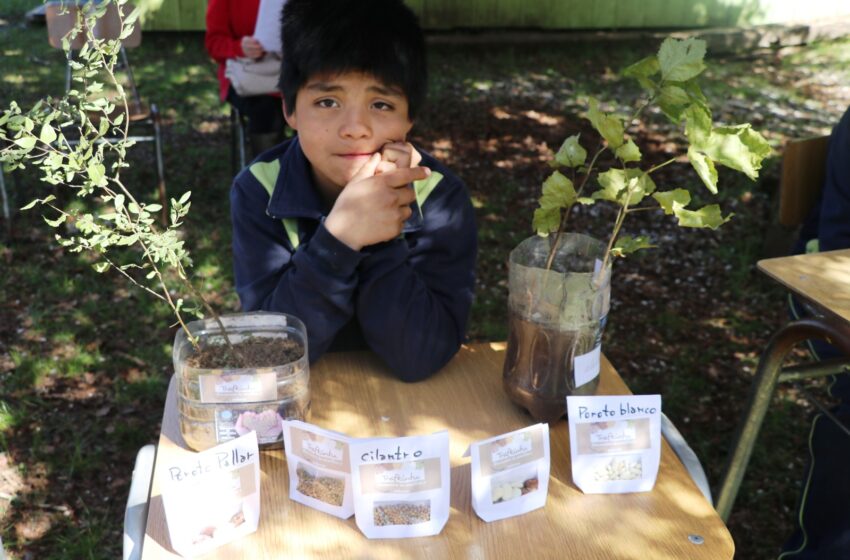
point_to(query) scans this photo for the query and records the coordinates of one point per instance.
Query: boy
(327, 226)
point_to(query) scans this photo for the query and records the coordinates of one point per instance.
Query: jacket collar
(295, 195)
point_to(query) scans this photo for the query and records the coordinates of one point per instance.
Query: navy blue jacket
(407, 299)
(829, 221)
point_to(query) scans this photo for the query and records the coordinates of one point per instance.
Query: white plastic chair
(136, 512)
(687, 456)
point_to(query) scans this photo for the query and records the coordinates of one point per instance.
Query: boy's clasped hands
(375, 203)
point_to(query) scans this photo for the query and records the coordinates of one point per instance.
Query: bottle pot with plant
(559, 282)
(235, 373)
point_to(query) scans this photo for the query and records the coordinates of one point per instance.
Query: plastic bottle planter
(219, 404)
(556, 321)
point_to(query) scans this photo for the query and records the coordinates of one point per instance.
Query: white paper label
(212, 497)
(319, 468)
(408, 475)
(616, 436)
(615, 442)
(514, 450)
(401, 485)
(322, 450)
(586, 366)
(510, 473)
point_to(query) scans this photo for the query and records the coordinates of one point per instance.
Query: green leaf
(707, 216)
(153, 207)
(31, 204)
(150, 274)
(47, 135)
(669, 200)
(101, 267)
(626, 244)
(613, 185)
(26, 142)
(97, 174)
(558, 192)
(619, 184)
(585, 200)
(571, 153)
(643, 68)
(118, 120)
(546, 220)
(738, 147)
(128, 240)
(697, 124)
(628, 152)
(57, 222)
(610, 128)
(672, 101)
(681, 60)
(185, 198)
(704, 168)
(131, 19)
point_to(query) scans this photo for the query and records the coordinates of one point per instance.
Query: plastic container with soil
(556, 319)
(220, 397)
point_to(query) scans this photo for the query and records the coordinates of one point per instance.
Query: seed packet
(401, 485)
(213, 497)
(510, 473)
(319, 468)
(615, 442)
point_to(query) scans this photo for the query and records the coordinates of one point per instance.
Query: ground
(85, 359)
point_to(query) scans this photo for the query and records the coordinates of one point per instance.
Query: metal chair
(237, 140)
(803, 169)
(61, 17)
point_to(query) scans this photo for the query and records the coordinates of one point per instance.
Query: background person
(230, 26)
(822, 525)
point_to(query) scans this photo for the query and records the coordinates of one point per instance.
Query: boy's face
(342, 120)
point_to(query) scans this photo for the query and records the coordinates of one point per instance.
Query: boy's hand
(398, 155)
(373, 207)
(252, 48)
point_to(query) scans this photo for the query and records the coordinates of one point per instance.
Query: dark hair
(377, 37)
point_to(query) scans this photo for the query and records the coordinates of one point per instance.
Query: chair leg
(234, 157)
(7, 216)
(130, 78)
(240, 140)
(160, 169)
(764, 385)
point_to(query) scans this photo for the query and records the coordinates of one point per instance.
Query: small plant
(670, 80)
(80, 141)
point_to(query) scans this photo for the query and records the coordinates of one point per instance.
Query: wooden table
(354, 394)
(822, 279)
(822, 282)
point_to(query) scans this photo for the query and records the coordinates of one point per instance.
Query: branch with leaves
(80, 141)
(670, 81)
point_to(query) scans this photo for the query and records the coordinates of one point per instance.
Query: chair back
(803, 171)
(61, 20)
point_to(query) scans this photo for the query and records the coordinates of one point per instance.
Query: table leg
(767, 374)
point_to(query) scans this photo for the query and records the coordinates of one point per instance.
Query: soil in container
(538, 373)
(252, 352)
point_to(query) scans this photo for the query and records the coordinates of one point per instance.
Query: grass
(85, 359)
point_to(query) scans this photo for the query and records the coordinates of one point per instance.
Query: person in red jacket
(230, 26)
